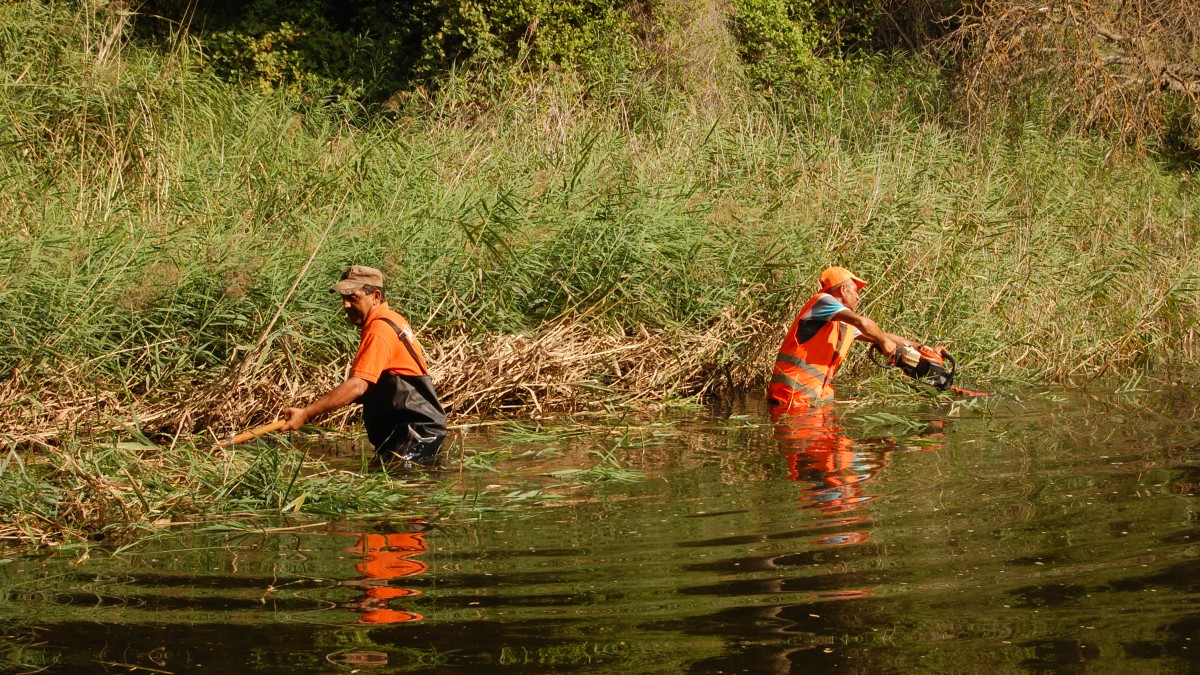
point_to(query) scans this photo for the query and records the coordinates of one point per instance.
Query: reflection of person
(386, 557)
(837, 467)
(401, 412)
(818, 453)
(819, 340)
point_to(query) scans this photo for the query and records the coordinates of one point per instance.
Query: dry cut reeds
(576, 362)
(571, 363)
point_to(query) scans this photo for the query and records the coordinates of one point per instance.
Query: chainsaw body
(922, 364)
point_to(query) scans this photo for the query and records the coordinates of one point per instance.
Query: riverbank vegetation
(597, 207)
(112, 492)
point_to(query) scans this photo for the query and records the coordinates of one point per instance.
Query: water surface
(1055, 535)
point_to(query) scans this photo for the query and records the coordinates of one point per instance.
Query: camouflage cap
(356, 277)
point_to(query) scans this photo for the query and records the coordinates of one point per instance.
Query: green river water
(1057, 534)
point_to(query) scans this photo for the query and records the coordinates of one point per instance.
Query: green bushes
(573, 33)
(774, 44)
(792, 45)
(367, 52)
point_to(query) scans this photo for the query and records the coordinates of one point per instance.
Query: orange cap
(837, 275)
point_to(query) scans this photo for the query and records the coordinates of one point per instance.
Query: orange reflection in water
(385, 557)
(818, 453)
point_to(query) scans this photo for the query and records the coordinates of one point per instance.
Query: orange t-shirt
(381, 349)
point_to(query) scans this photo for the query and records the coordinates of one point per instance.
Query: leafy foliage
(367, 51)
(775, 40)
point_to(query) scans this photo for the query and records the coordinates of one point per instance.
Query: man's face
(357, 305)
(850, 295)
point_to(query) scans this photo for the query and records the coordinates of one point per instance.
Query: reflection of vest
(808, 359)
(402, 411)
(388, 555)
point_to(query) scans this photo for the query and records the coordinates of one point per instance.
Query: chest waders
(403, 417)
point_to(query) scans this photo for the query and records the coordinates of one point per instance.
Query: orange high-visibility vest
(803, 371)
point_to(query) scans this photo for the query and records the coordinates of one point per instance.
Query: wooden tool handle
(254, 433)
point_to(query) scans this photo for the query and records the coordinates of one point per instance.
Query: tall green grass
(155, 220)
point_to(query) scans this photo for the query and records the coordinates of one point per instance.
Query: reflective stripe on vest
(807, 368)
(800, 363)
(780, 378)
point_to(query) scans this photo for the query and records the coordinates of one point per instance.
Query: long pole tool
(251, 434)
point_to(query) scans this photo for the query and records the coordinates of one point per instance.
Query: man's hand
(887, 346)
(296, 417)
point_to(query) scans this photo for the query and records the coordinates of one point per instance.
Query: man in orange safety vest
(819, 340)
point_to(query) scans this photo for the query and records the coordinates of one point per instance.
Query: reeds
(556, 245)
(113, 493)
(1128, 67)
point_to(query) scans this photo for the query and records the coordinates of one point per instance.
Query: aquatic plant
(609, 468)
(897, 425)
(524, 434)
(114, 492)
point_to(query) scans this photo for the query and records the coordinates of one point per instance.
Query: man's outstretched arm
(871, 332)
(342, 395)
(896, 339)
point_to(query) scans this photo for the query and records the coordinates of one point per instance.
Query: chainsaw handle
(873, 352)
(949, 358)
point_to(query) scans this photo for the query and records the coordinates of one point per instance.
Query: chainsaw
(925, 365)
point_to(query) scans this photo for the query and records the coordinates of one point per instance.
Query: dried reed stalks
(1114, 65)
(569, 364)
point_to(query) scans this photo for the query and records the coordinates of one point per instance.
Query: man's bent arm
(896, 339)
(870, 331)
(342, 395)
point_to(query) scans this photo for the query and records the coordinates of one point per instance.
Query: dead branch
(1126, 64)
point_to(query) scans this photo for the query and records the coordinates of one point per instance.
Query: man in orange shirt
(401, 412)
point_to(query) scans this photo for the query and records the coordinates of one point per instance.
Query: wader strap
(407, 345)
(847, 337)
